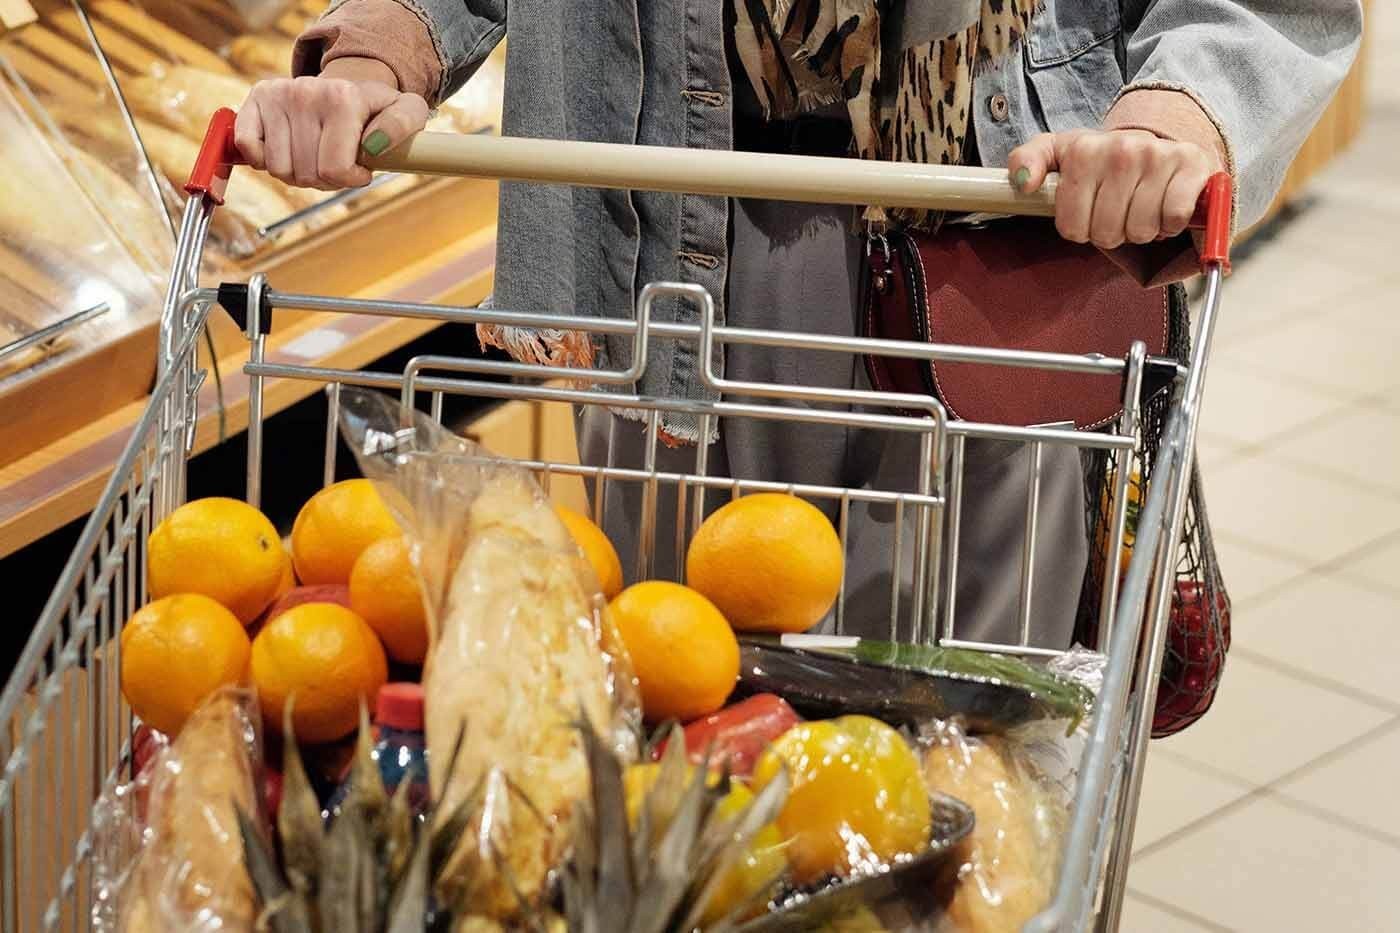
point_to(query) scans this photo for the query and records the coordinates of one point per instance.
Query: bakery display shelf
(59, 482)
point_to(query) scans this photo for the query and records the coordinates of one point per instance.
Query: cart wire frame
(68, 732)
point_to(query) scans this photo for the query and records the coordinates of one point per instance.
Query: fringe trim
(566, 349)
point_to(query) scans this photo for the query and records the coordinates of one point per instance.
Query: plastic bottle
(400, 749)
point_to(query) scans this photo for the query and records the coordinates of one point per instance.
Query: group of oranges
(768, 562)
(314, 623)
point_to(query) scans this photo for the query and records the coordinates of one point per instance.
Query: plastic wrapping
(1005, 869)
(167, 851)
(521, 649)
(71, 259)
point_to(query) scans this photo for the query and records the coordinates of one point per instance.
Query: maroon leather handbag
(1015, 285)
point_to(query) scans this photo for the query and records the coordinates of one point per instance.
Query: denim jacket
(654, 72)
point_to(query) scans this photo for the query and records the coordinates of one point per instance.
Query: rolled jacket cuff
(387, 31)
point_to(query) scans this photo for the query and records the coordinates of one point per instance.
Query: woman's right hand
(309, 131)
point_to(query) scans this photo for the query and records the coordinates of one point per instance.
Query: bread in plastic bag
(1006, 868)
(521, 647)
(181, 868)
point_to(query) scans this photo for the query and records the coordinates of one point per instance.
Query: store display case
(103, 104)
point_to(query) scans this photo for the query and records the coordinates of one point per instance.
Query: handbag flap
(1012, 285)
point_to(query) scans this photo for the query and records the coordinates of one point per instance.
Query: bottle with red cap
(400, 749)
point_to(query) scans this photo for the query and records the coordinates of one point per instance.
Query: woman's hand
(309, 132)
(1116, 186)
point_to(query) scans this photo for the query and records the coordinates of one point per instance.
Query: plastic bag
(521, 648)
(167, 853)
(1005, 869)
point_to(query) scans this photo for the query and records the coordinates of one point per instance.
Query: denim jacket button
(999, 108)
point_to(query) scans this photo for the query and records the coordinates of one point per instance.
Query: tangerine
(683, 652)
(384, 590)
(176, 651)
(221, 548)
(596, 547)
(325, 656)
(771, 562)
(334, 528)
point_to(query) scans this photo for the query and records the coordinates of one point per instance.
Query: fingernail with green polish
(1020, 179)
(376, 142)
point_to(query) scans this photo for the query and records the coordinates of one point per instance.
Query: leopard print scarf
(905, 104)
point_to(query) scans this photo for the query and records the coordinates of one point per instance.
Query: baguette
(121, 50)
(191, 874)
(142, 25)
(184, 98)
(42, 41)
(50, 82)
(133, 217)
(262, 56)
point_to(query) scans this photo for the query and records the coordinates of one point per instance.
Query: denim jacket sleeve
(1261, 70)
(432, 46)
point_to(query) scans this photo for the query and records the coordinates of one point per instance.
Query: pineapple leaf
(582, 871)
(448, 832)
(283, 910)
(732, 843)
(339, 895)
(613, 837)
(366, 785)
(299, 815)
(668, 874)
(409, 902)
(398, 835)
(659, 806)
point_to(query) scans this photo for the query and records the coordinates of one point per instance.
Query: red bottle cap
(400, 706)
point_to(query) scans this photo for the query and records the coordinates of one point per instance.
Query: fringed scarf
(909, 103)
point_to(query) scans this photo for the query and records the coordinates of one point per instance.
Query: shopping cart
(68, 733)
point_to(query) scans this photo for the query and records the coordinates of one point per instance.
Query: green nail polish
(1022, 177)
(376, 142)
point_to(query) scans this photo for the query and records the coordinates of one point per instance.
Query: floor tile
(1265, 724)
(1251, 574)
(1140, 916)
(1268, 867)
(1358, 444)
(1244, 408)
(1358, 785)
(1175, 794)
(1310, 351)
(1289, 510)
(1377, 566)
(1330, 628)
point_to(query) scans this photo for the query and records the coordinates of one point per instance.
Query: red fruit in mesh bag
(1196, 645)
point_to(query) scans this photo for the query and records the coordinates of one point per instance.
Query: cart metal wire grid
(67, 731)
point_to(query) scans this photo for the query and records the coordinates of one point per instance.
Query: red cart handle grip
(217, 157)
(1214, 218)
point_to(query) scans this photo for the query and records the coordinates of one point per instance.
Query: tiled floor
(1281, 810)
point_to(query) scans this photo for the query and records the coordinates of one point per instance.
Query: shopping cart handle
(729, 174)
(217, 157)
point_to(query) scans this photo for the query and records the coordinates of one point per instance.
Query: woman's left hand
(1116, 186)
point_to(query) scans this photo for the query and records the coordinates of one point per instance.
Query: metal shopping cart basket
(67, 731)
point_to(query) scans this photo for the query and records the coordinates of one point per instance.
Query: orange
(771, 562)
(683, 652)
(328, 658)
(384, 590)
(175, 652)
(596, 547)
(334, 528)
(220, 548)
